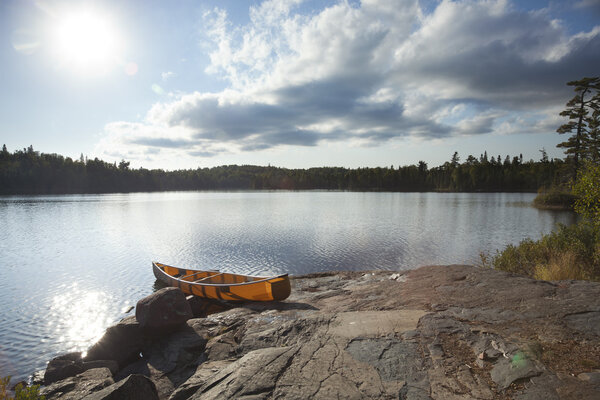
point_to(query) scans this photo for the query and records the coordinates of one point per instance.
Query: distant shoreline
(30, 172)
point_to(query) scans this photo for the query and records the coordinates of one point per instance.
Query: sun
(86, 41)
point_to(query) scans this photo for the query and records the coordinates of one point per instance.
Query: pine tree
(578, 108)
(455, 159)
(592, 144)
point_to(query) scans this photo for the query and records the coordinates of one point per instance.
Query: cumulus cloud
(368, 73)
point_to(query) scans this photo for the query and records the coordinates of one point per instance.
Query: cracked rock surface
(439, 332)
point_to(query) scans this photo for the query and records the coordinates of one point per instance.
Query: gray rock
(441, 333)
(62, 367)
(588, 322)
(112, 365)
(394, 360)
(202, 308)
(164, 310)
(204, 372)
(79, 386)
(180, 349)
(518, 367)
(591, 377)
(540, 387)
(254, 374)
(134, 387)
(171, 360)
(121, 343)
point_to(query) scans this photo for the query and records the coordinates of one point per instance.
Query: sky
(291, 83)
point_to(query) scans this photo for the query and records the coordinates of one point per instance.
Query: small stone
(492, 354)
(591, 377)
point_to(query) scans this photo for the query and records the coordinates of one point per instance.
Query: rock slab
(439, 332)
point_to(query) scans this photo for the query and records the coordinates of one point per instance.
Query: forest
(28, 171)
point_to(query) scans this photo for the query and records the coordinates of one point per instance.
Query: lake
(72, 265)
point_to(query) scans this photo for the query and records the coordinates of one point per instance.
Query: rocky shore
(439, 332)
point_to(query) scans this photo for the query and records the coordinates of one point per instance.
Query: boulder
(112, 365)
(163, 311)
(62, 367)
(79, 386)
(134, 387)
(179, 349)
(121, 343)
(171, 360)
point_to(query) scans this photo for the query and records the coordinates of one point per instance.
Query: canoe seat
(208, 277)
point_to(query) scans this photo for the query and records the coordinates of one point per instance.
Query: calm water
(72, 265)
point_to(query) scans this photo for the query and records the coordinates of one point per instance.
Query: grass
(570, 252)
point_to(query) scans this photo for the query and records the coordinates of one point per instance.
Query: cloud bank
(367, 74)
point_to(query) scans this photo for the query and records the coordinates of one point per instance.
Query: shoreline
(433, 332)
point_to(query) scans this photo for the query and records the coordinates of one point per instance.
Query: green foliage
(555, 198)
(29, 172)
(4, 388)
(21, 392)
(571, 252)
(582, 111)
(587, 190)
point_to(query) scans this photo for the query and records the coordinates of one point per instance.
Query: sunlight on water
(78, 317)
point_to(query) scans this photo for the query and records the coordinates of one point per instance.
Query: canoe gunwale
(260, 279)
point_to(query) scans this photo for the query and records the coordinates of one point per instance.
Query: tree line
(28, 171)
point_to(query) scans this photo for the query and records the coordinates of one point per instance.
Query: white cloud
(368, 74)
(167, 75)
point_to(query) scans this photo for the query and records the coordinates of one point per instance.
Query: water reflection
(78, 317)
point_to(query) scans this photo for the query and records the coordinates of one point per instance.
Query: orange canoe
(222, 285)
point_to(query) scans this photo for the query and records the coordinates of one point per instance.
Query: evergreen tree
(592, 145)
(455, 159)
(578, 108)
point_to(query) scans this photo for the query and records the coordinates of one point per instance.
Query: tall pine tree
(578, 109)
(592, 144)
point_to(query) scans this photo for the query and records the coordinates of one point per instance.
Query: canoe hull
(223, 286)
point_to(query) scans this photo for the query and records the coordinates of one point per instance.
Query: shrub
(587, 190)
(570, 252)
(555, 198)
(21, 392)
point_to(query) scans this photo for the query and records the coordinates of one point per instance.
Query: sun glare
(86, 42)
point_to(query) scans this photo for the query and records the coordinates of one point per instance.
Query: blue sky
(183, 84)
